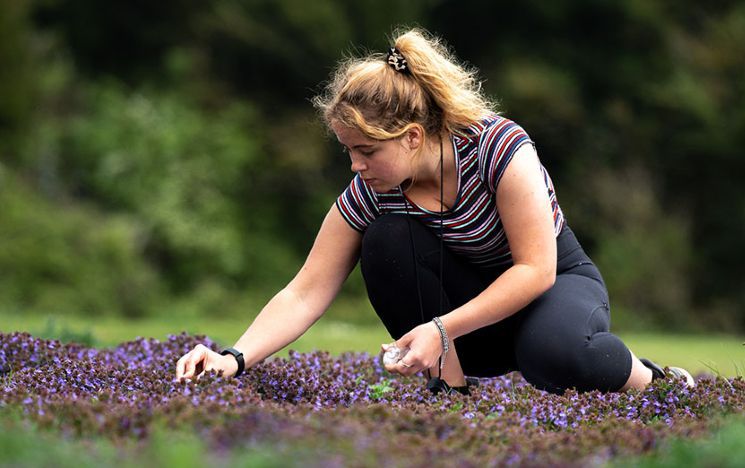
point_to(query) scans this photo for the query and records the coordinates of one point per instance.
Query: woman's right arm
(295, 308)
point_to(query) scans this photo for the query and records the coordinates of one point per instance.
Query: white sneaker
(679, 372)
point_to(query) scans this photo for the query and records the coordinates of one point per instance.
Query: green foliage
(725, 449)
(64, 334)
(69, 258)
(176, 169)
(187, 172)
(171, 188)
(17, 72)
(20, 441)
(165, 447)
(642, 252)
(379, 389)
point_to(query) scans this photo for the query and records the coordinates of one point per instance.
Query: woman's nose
(358, 166)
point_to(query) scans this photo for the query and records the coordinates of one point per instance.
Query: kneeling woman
(466, 254)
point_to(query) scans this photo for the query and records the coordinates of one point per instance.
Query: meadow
(109, 403)
(699, 353)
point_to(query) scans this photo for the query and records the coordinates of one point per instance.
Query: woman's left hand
(425, 346)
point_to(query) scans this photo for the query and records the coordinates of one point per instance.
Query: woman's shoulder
(485, 126)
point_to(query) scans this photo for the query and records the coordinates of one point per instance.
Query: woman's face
(383, 164)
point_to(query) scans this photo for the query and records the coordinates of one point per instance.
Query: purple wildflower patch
(346, 409)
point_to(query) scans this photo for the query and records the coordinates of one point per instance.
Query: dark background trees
(162, 157)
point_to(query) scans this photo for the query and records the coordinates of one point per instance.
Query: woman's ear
(414, 137)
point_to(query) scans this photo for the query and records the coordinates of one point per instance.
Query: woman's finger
(404, 341)
(188, 368)
(180, 366)
(408, 366)
(199, 367)
(183, 364)
(193, 362)
(394, 367)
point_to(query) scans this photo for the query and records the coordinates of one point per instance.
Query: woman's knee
(385, 238)
(599, 361)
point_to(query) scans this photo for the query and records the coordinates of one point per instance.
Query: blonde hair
(438, 94)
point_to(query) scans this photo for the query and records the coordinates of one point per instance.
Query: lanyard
(413, 256)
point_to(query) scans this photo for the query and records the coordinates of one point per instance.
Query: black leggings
(558, 341)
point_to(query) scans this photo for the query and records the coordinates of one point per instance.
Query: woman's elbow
(547, 279)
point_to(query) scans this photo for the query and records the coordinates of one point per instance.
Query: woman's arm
(295, 308)
(304, 300)
(525, 210)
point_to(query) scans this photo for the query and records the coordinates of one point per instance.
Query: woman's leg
(559, 341)
(563, 340)
(565, 344)
(387, 264)
(640, 377)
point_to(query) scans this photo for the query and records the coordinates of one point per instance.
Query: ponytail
(384, 101)
(454, 88)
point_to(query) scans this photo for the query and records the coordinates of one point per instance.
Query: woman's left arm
(527, 216)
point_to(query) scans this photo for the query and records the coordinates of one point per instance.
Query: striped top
(472, 227)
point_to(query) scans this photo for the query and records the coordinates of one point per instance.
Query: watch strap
(238, 357)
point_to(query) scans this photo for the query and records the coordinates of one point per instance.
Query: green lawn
(698, 353)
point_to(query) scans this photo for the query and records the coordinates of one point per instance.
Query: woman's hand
(200, 359)
(425, 346)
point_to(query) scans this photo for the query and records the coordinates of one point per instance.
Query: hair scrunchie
(397, 61)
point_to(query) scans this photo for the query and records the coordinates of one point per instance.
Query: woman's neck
(428, 170)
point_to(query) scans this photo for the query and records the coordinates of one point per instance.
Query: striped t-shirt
(471, 227)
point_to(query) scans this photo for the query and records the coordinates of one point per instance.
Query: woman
(465, 252)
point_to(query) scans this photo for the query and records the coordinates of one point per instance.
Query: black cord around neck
(413, 254)
(442, 237)
(442, 230)
(413, 257)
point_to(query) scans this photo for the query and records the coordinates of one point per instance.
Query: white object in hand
(394, 354)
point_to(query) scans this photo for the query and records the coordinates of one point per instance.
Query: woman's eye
(346, 150)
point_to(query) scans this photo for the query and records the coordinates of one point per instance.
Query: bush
(155, 204)
(62, 258)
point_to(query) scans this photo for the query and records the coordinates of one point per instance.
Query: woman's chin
(379, 186)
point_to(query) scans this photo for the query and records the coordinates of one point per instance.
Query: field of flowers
(318, 410)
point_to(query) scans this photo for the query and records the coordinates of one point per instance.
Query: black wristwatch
(238, 357)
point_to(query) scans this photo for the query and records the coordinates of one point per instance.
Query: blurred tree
(191, 122)
(18, 71)
(127, 39)
(70, 258)
(700, 114)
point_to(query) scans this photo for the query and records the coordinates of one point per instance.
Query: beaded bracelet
(443, 338)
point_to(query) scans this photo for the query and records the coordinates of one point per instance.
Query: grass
(327, 334)
(721, 355)
(20, 441)
(715, 354)
(725, 448)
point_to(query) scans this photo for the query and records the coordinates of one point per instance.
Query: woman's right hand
(200, 359)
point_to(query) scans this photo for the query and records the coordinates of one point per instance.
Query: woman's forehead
(350, 136)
